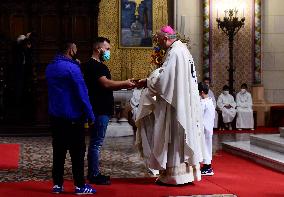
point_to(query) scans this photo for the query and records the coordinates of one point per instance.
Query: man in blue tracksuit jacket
(69, 107)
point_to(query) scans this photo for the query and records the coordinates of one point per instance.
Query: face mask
(243, 91)
(106, 55)
(226, 92)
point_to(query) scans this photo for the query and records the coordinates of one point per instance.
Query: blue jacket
(67, 91)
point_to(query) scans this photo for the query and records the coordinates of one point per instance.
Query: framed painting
(135, 23)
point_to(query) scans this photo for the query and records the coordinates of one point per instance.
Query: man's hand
(129, 84)
(142, 83)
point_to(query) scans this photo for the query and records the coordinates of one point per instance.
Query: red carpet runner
(9, 157)
(233, 175)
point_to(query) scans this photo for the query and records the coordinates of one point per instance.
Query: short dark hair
(226, 87)
(100, 40)
(206, 79)
(67, 44)
(202, 87)
(244, 85)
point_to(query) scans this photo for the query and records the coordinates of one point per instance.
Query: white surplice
(169, 119)
(244, 111)
(134, 102)
(227, 114)
(212, 96)
(208, 109)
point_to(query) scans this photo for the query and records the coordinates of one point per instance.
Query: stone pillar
(258, 94)
(259, 104)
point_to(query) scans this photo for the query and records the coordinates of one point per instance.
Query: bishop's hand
(142, 83)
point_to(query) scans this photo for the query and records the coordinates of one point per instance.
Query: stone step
(281, 130)
(268, 141)
(269, 158)
(122, 129)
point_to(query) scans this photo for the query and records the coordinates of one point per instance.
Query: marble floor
(119, 158)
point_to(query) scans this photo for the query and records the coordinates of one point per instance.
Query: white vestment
(227, 114)
(211, 95)
(134, 102)
(244, 111)
(208, 122)
(169, 120)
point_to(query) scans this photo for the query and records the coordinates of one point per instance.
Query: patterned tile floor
(119, 158)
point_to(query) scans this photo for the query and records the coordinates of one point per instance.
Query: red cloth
(9, 158)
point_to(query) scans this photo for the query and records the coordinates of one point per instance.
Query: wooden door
(23, 97)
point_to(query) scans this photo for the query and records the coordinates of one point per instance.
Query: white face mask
(226, 92)
(243, 91)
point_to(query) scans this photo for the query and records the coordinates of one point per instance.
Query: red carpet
(258, 130)
(245, 178)
(120, 188)
(9, 156)
(233, 175)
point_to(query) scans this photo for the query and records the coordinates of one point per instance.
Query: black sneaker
(100, 180)
(207, 172)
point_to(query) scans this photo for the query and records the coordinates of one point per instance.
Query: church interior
(232, 42)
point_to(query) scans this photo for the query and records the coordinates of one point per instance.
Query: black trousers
(68, 135)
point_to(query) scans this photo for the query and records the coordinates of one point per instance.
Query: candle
(182, 25)
(217, 13)
(243, 12)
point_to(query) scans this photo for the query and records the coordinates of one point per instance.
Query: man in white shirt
(208, 122)
(207, 81)
(227, 105)
(244, 109)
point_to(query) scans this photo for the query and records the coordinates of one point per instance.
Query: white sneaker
(152, 171)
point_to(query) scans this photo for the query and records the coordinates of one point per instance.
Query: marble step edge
(119, 130)
(269, 141)
(265, 158)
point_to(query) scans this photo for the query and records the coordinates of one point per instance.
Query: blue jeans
(97, 137)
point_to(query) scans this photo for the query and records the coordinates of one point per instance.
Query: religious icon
(135, 24)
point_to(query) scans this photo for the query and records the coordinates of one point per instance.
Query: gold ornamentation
(127, 63)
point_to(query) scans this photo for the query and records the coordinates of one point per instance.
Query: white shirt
(208, 113)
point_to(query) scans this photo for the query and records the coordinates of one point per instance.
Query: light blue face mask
(106, 55)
